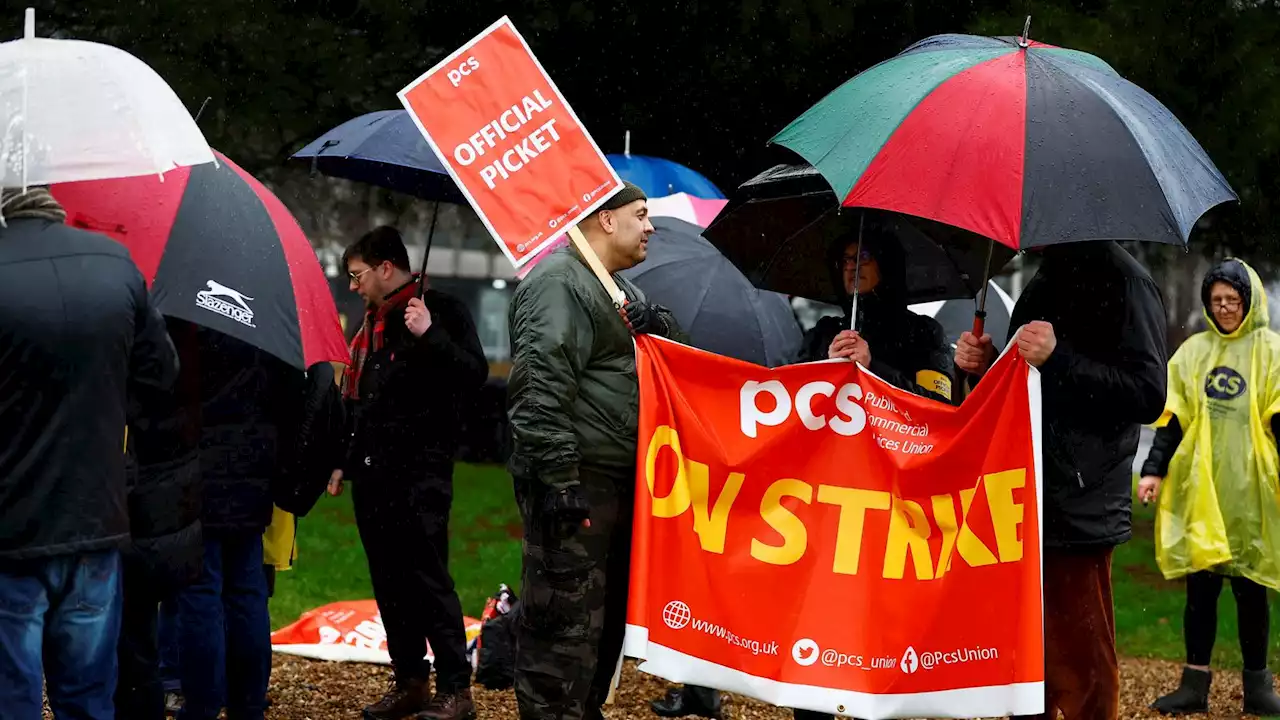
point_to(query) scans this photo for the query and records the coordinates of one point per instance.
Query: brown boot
(450, 706)
(401, 701)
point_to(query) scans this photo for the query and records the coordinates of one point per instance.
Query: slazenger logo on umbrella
(237, 309)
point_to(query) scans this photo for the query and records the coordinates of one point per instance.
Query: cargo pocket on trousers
(555, 593)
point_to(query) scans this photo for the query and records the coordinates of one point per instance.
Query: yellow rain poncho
(279, 542)
(1219, 506)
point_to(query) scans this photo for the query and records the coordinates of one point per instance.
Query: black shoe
(1191, 697)
(1260, 694)
(688, 700)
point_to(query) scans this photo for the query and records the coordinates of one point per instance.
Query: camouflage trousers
(574, 601)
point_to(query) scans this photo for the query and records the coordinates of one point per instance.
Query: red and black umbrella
(218, 249)
(1018, 141)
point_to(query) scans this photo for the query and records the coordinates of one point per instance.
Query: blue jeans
(224, 632)
(60, 622)
(167, 636)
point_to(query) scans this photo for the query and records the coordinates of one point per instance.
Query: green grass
(1149, 608)
(484, 548)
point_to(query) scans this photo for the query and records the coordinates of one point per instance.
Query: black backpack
(496, 669)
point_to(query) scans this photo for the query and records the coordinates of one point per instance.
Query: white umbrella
(73, 110)
(956, 316)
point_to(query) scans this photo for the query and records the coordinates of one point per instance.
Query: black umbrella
(386, 149)
(719, 308)
(781, 225)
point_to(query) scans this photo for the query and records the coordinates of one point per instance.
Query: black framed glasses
(849, 261)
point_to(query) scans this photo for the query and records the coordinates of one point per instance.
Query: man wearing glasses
(415, 364)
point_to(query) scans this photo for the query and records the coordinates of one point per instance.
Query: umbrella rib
(697, 306)
(959, 270)
(756, 311)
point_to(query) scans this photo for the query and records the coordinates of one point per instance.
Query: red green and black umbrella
(1018, 141)
(218, 249)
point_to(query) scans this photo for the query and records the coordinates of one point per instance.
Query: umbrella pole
(857, 275)
(426, 252)
(980, 314)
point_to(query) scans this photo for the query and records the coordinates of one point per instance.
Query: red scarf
(370, 338)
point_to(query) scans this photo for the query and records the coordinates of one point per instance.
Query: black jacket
(1104, 380)
(903, 345)
(909, 351)
(77, 328)
(315, 430)
(247, 398)
(413, 393)
(573, 398)
(164, 474)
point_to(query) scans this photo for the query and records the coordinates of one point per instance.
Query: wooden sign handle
(616, 682)
(619, 299)
(593, 261)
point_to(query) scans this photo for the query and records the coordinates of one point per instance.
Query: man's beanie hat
(627, 195)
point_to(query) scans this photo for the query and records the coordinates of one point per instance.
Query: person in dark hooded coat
(903, 348)
(1092, 322)
(167, 547)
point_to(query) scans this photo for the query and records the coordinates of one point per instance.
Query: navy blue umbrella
(659, 177)
(714, 302)
(386, 149)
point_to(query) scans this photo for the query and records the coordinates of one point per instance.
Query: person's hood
(1240, 276)
(887, 251)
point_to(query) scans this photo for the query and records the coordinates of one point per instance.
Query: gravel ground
(307, 690)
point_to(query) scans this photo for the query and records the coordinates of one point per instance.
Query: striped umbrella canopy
(218, 249)
(1022, 142)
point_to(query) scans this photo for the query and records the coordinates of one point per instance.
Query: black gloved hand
(642, 318)
(566, 509)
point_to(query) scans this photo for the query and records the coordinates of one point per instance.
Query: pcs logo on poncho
(1223, 383)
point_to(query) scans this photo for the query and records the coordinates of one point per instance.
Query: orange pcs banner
(816, 538)
(349, 631)
(510, 141)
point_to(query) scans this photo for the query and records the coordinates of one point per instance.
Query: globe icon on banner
(676, 615)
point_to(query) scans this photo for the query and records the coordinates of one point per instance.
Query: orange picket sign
(510, 141)
(814, 537)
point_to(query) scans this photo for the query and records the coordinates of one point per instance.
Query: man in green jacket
(573, 402)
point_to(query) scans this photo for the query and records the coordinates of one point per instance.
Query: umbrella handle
(980, 312)
(426, 252)
(979, 322)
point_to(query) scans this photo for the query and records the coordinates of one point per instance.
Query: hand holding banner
(814, 537)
